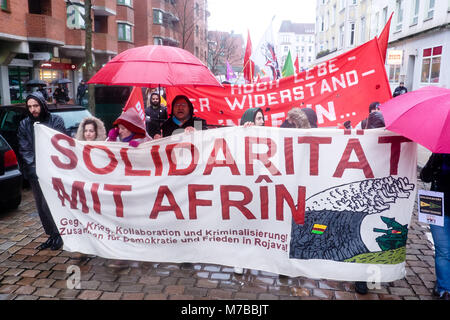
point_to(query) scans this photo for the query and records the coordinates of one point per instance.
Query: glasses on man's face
(180, 105)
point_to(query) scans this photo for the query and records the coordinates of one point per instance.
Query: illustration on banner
(333, 220)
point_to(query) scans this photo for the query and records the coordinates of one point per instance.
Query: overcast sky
(255, 15)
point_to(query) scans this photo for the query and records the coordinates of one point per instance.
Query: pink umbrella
(422, 116)
(151, 65)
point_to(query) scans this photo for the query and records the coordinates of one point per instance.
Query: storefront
(20, 71)
(52, 71)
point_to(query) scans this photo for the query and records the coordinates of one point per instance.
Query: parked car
(10, 177)
(10, 117)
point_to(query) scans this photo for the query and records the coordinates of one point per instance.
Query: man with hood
(155, 115)
(182, 117)
(38, 112)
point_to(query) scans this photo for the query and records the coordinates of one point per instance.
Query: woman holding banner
(129, 128)
(91, 129)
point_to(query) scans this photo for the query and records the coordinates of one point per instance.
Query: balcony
(104, 43)
(43, 28)
(104, 7)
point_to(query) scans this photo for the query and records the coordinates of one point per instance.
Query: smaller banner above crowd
(319, 203)
(339, 90)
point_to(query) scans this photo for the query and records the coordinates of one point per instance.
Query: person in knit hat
(130, 128)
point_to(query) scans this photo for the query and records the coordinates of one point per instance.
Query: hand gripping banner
(338, 90)
(319, 203)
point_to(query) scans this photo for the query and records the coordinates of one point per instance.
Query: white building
(299, 39)
(419, 38)
(419, 41)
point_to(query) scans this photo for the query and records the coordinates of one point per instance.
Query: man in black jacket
(182, 118)
(38, 112)
(401, 89)
(155, 114)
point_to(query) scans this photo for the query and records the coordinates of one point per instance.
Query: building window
(415, 12)
(341, 36)
(399, 6)
(4, 4)
(18, 77)
(75, 13)
(394, 73)
(352, 33)
(124, 32)
(125, 2)
(363, 30)
(430, 9)
(157, 16)
(431, 65)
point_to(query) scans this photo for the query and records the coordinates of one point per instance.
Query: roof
(297, 28)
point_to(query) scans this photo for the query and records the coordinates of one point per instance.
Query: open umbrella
(151, 65)
(423, 116)
(36, 82)
(61, 81)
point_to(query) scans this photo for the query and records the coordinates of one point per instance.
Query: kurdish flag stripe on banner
(318, 229)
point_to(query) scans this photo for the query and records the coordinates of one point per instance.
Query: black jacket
(399, 91)
(437, 171)
(25, 134)
(169, 126)
(157, 118)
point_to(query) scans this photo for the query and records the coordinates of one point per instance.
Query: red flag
(384, 38)
(136, 101)
(296, 65)
(249, 65)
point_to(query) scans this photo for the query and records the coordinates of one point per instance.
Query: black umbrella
(36, 82)
(61, 81)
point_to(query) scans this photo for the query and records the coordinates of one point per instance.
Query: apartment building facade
(45, 39)
(419, 41)
(419, 38)
(299, 39)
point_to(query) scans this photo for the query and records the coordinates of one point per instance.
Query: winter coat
(437, 171)
(250, 115)
(101, 131)
(375, 120)
(131, 120)
(169, 126)
(399, 91)
(157, 116)
(25, 133)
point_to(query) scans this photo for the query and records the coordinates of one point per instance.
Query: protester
(61, 94)
(43, 91)
(296, 118)
(253, 116)
(38, 112)
(91, 129)
(401, 89)
(375, 120)
(373, 107)
(81, 91)
(312, 116)
(155, 114)
(437, 171)
(182, 118)
(130, 128)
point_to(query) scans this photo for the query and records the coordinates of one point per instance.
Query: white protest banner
(320, 203)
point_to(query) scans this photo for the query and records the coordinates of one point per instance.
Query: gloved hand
(133, 143)
(113, 134)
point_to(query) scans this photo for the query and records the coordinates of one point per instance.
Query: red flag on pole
(249, 65)
(384, 38)
(296, 65)
(136, 101)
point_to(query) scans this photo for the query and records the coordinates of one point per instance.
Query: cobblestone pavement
(29, 274)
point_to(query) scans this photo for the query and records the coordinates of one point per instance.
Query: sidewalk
(29, 274)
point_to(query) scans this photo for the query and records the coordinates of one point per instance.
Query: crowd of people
(129, 128)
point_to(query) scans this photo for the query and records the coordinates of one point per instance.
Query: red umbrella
(423, 116)
(155, 65)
